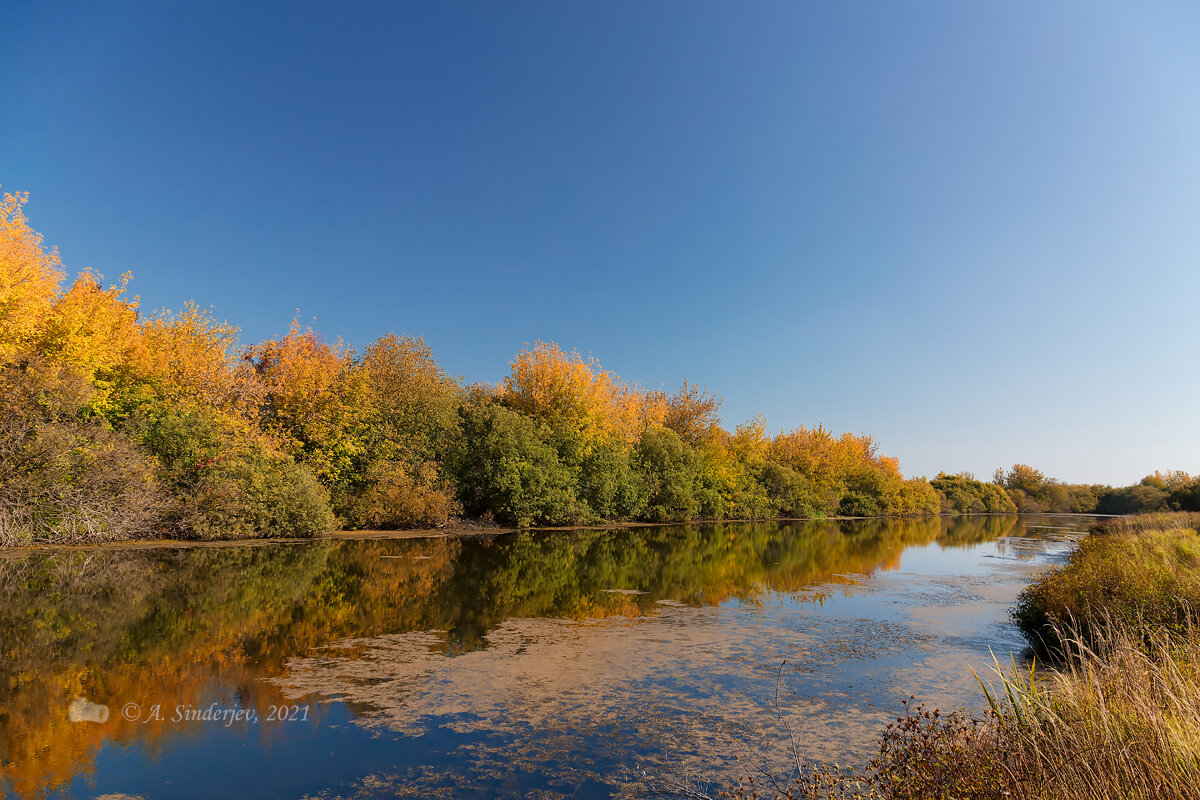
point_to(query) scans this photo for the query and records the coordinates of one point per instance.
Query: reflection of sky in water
(573, 707)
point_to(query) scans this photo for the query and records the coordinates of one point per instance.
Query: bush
(609, 484)
(398, 495)
(1137, 499)
(859, 504)
(788, 490)
(969, 496)
(913, 497)
(183, 442)
(509, 467)
(1187, 498)
(64, 475)
(668, 469)
(255, 495)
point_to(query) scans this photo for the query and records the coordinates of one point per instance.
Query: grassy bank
(1141, 571)
(1116, 716)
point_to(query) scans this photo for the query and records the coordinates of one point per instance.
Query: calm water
(565, 664)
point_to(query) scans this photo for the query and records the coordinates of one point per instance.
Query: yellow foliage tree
(193, 357)
(547, 382)
(29, 278)
(95, 332)
(411, 400)
(693, 413)
(312, 401)
(827, 460)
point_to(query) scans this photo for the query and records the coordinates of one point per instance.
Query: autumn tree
(312, 403)
(411, 402)
(1021, 477)
(692, 412)
(191, 357)
(551, 384)
(29, 278)
(410, 425)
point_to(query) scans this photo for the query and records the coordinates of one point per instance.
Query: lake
(546, 664)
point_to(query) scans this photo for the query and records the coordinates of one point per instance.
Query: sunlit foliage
(191, 356)
(120, 424)
(560, 387)
(966, 495)
(29, 278)
(693, 413)
(312, 402)
(408, 408)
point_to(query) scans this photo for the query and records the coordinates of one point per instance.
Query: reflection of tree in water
(170, 625)
(574, 574)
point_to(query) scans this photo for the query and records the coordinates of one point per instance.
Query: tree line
(116, 423)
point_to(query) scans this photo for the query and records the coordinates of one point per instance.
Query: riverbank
(453, 529)
(1117, 714)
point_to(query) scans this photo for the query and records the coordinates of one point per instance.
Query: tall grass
(1119, 717)
(1143, 570)
(1162, 521)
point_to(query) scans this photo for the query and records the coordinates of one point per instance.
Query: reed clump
(1142, 570)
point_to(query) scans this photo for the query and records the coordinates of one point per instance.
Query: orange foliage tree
(312, 402)
(549, 383)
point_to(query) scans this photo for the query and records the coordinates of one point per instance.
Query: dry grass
(1162, 521)
(1143, 571)
(1119, 718)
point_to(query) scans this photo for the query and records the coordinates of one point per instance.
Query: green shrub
(969, 496)
(509, 467)
(668, 469)
(749, 499)
(789, 491)
(1137, 499)
(859, 504)
(183, 441)
(255, 495)
(1187, 498)
(609, 484)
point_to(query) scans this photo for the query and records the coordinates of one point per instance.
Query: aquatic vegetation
(1120, 717)
(1116, 713)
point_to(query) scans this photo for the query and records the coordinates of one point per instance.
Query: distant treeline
(116, 424)
(1025, 489)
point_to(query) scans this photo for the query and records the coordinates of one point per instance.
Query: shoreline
(460, 529)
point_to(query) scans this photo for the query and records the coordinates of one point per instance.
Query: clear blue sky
(970, 229)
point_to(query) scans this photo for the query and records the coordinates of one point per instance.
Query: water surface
(542, 664)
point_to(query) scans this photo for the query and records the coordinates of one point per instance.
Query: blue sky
(969, 229)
